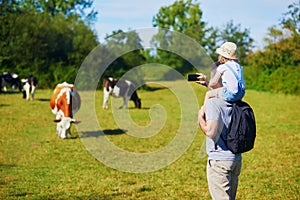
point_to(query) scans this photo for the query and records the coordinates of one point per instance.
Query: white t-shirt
(228, 79)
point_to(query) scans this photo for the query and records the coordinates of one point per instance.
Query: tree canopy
(185, 16)
(277, 67)
(50, 39)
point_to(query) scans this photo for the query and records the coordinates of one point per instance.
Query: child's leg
(217, 93)
(213, 93)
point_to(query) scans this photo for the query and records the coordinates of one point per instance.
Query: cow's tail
(75, 102)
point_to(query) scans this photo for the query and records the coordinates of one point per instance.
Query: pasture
(36, 164)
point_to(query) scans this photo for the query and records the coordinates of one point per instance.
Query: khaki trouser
(222, 177)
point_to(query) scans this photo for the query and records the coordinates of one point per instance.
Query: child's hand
(202, 79)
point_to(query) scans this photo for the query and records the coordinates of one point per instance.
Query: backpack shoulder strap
(221, 136)
(235, 74)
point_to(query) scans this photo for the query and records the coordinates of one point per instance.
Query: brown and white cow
(64, 103)
(120, 88)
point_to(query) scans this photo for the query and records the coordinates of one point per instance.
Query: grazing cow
(29, 85)
(120, 88)
(64, 103)
(11, 79)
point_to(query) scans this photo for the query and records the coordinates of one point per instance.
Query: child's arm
(214, 83)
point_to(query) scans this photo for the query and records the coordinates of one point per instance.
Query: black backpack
(241, 131)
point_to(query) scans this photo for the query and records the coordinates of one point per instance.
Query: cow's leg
(59, 129)
(126, 97)
(32, 92)
(126, 100)
(4, 87)
(105, 99)
(26, 87)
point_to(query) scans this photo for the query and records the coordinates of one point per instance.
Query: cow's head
(138, 103)
(64, 125)
(109, 83)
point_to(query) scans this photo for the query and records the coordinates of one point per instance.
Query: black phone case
(193, 77)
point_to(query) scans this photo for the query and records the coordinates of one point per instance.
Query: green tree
(277, 67)
(127, 48)
(173, 49)
(291, 19)
(234, 33)
(185, 17)
(66, 8)
(49, 47)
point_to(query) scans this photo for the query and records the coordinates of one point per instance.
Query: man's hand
(201, 120)
(209, 127)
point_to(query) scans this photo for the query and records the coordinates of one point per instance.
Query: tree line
(47, 39)
(51, 39)
(276, 68)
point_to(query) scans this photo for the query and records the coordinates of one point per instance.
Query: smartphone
(193, 77)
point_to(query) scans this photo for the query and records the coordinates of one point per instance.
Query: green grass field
(36, 164)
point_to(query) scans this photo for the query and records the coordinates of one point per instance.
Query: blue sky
(255, 15)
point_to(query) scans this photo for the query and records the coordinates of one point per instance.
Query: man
(223, 167)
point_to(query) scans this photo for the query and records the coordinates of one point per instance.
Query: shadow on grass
(42, 99)
(102, 133)
(152, 88)
(10, 92)
(6, 166)
(62, 195)
(109, 195)
(133, 108)
(3, 169)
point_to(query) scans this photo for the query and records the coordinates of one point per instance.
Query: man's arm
(209, 127)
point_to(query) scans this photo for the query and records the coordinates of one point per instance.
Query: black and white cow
(10, 79)
(29, 86)
(120, 88)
